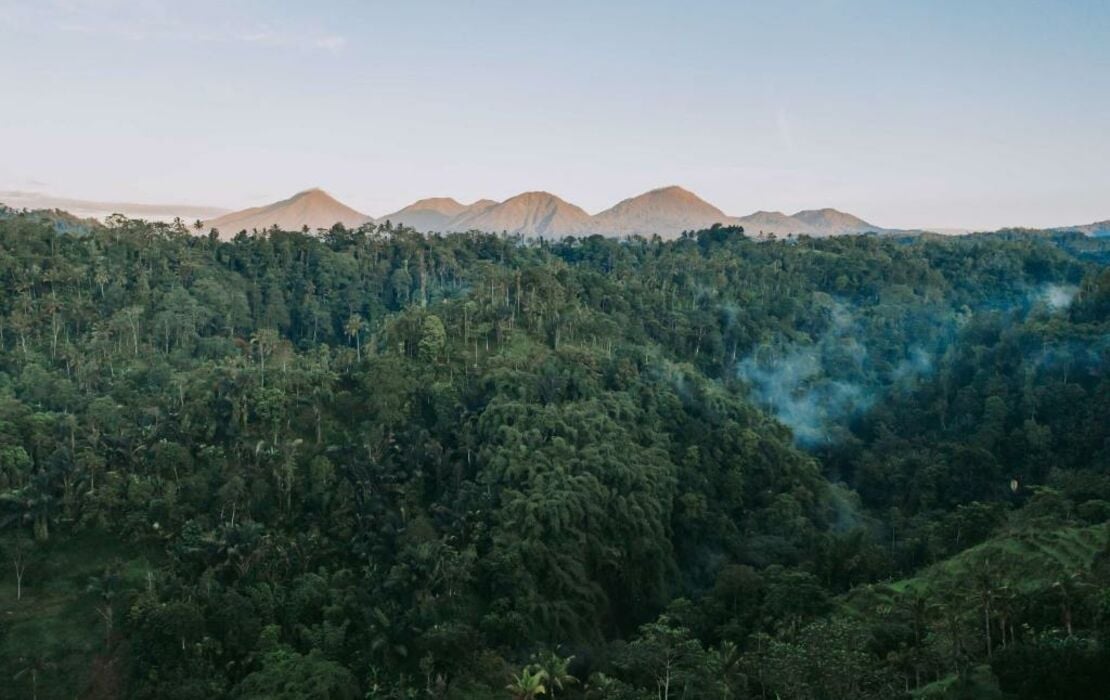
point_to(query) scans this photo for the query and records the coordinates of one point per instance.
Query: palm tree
(528, 684)
(266, 340)
(32, 503)
(555, 668)
(106, 587)
(1068, 588)
(353, 327)
(726, 660)
(34, 666)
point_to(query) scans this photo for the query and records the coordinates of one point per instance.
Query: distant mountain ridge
(814, 222)
(665, 211)
(767, 223)
(313, 208)
(834, 222)
(531, 214)
(83, 208)
(1098, 229)
(435, 213)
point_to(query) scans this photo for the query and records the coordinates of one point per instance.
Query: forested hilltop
(377, 464)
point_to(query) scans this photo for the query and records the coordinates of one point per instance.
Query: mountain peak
(535, 196)
(533, 213)
(762, 223)
(434, 213)
(313, 208)
(832, 222)
(666, 211)
(312, 193)
(444, 204)
(813, 222)
(674, 191)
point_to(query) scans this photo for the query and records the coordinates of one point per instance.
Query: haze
(941, 114)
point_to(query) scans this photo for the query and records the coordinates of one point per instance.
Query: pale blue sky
(971, 113)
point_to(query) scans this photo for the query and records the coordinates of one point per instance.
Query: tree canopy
(374, 463)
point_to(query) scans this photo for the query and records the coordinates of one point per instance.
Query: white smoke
(814, 388)
(1057, 296)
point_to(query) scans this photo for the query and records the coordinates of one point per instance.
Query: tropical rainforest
(374, 463)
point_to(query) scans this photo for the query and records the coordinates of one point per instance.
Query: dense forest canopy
(374, 463)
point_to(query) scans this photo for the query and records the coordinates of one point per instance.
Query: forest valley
(379, 464)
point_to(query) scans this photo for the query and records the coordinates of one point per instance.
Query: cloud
(333, 43)
(31, 183)
(154, 20)
(266, 35)
(259, 36)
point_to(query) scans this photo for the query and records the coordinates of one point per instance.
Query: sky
(910, 114)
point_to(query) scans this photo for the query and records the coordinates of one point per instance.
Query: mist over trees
(374, 463)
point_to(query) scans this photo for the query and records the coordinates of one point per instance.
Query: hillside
(540, 214)
(313, 208)
(666, 211)
(62, 221)
(830, 222)
(1028, 559)
(811, 222)
(435, 213)
(765, 223)
(89, 209)
(366, 464)
(1098, 229)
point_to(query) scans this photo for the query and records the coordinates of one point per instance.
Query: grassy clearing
(54, 632)
(1028, 560)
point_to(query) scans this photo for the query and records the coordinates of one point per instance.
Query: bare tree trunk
(987, 626)
(20, 568)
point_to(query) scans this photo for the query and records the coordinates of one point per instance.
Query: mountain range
(83, 208)
(666, 211)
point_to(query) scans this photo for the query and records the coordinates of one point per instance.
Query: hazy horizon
(942, 116)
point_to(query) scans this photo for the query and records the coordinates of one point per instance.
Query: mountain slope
(474, 209)
(811, 222)
(435, 213)
(1098, 229)
(666, 211)
(312, 208)
(830, 222)
(84, 208)
(765, 223)
(530, 214)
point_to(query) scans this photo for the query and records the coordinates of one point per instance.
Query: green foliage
(374, 463)
(287, 675)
